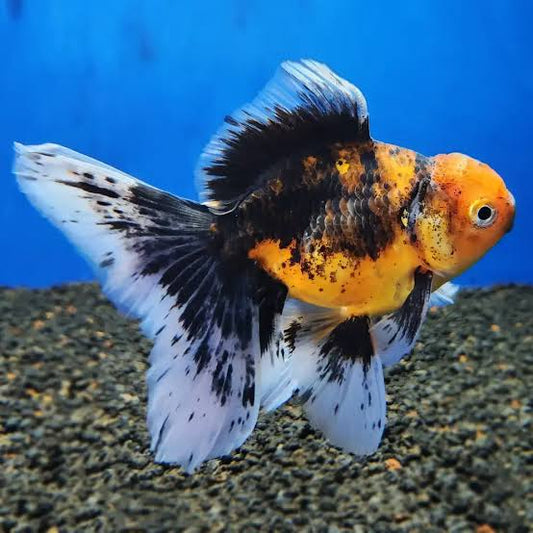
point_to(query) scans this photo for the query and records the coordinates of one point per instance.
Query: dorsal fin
(304, 106)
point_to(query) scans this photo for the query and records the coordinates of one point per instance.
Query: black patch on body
(374, 230)
(284, 216)
(351, 220)
(254, 147)
(350, 341)
(313, 205)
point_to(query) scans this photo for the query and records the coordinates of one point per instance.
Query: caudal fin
(157, 257)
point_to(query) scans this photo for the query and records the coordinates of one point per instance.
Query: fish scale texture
(456, 455)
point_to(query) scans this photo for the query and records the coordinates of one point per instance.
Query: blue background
(142, 85)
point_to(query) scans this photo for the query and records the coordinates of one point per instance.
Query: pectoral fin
(394, 335)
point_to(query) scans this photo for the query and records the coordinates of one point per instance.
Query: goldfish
(306, 268)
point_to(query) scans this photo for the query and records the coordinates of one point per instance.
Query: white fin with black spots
(395, 334)
(351, 410)
(306, 104)
(156, 257)
(202, 400)
(339, 379)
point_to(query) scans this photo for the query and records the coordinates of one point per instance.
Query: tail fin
(157, 257)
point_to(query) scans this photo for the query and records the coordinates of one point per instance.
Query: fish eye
(483, 214)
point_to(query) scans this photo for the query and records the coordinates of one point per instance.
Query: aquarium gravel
(456, 455)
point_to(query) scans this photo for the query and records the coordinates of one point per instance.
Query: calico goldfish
(307, 267)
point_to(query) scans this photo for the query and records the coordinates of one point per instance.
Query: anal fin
(340, 378)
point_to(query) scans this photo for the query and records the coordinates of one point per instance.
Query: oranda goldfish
(308, 267)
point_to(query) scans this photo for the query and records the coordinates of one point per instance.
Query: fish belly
(361, 285)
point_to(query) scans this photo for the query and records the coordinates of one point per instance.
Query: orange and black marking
(333, 233)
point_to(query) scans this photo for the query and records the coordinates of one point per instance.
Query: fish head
(467, 211)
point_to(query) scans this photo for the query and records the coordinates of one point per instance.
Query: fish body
(308, 267)
(352, 251)
(333, 226)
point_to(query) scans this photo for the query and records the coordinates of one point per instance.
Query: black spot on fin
(270, 298)
(349, 341)
(305, 107)
(305, 323)
(291, 333)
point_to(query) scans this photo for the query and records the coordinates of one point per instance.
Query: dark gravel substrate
(457, 452)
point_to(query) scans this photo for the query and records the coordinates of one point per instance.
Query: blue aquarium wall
(142, 85)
